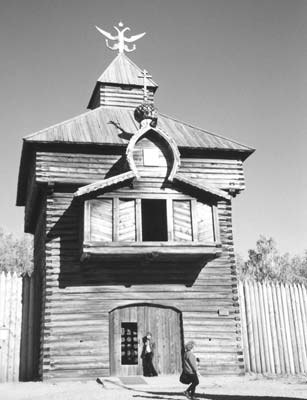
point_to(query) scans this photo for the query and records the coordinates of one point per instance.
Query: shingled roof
(114, 125)
(124, 71)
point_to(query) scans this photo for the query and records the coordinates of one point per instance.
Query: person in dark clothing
(190, 370)
(147, 356)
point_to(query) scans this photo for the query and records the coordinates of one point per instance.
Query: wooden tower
(132, 221)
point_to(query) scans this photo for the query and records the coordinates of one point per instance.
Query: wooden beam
(138, 219)
(169, 215)
(204, 187)
(194, 216)
(115, 219)
(104, 183)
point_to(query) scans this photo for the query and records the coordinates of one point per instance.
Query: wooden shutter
(101, 220)
(205, 223)
(182, 220)
(126, 227)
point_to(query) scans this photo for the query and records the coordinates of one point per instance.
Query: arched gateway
(129, 324)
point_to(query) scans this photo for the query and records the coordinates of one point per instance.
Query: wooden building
(131, 212)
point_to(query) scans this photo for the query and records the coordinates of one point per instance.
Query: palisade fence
(273, 317)
(274, 327)
(10, 325)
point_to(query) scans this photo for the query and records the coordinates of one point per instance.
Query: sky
(237, 68)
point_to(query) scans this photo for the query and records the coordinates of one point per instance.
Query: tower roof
(125, 72)
(121, 74)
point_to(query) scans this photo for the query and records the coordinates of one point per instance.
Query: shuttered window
(182, 220)
(149, 220)
(101, 220)
(126, 220)
(205, 223)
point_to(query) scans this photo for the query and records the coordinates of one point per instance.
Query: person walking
(190, 371)
(147, 355)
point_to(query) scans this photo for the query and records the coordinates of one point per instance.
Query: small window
(154, 221)
(129, 343)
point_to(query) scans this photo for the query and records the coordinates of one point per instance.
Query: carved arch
(172, 145)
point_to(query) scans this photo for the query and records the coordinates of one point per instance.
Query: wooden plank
(250, 330)
(5, 287)
(243, 313)
(275, 328)
(182, 220)
(24, 326)
(283, 329)
(265, 288)
(255, 329)
(138, 215)
(303, 315)
(127, 220)
(297, 329)
(263, 329)
(101, 220)
(170, 218)
(115, 219)
(287, 328)
(259, 328)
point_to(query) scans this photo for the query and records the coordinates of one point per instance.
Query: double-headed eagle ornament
(121, 45)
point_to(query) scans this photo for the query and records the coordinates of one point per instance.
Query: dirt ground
(251, 387)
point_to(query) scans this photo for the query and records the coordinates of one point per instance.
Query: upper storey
(113, 122)
(122, 85)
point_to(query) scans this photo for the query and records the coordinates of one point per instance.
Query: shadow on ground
(174, 395)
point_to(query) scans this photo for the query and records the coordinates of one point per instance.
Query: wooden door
(128, 325)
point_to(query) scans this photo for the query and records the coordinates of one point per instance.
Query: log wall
(117, 96)
(83, 169)
(76, 315)
(74, 318)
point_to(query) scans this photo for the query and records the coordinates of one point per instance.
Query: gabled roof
(114, 180)
(104, 183)
(123, 71)
(115, 125)
(203, 187)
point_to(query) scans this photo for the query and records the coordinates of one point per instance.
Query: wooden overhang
(143, 253)
(104, 184)
(148, 263)
(202, 187)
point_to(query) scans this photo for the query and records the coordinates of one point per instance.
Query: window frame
(137, 197)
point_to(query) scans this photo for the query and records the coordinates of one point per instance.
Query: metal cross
(145, 75)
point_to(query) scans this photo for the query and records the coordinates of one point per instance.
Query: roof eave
(22, 174)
